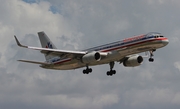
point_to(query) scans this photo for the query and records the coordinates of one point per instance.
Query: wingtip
(18, 43)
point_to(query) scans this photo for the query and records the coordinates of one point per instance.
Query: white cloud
(77, 25)
(176, 99)
(177, 65)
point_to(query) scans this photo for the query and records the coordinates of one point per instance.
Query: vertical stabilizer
(46, 43)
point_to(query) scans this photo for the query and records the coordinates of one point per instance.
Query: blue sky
(31, 1)
(52, 7)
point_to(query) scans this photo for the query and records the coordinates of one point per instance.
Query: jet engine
(133, 61)
(93, 57)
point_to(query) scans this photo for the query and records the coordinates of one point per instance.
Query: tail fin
(46, 43)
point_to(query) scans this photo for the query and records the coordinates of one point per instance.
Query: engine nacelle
(92, 57)
(133, 61)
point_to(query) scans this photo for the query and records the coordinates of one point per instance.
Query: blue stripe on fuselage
(109, 47)
(118, 44)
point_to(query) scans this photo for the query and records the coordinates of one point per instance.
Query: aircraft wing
(55, 52)
(34, 62)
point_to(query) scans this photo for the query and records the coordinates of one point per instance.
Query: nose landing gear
(151, 59)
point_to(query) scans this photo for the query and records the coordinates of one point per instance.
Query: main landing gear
(111, 72)
(87, 70)
(151, 59)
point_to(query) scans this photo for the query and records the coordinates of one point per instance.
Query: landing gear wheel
(87, 70)
(90, 70)
(108, 73)
(111, 72)
(151, 60)
(84, 71)
(114, 72)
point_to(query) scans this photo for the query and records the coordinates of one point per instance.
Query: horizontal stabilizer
(34, 62)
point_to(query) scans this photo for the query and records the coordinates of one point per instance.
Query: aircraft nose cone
(165, 42)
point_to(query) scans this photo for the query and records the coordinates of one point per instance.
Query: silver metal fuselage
(116, 51)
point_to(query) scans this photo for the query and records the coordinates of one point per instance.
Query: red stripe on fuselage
(162, 38)
(112, 49)
(62, 61)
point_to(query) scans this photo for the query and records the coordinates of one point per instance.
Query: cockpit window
(154, 35)
(157, 36)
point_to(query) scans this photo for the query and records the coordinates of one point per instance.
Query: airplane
(124, 51)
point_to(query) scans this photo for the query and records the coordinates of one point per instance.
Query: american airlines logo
(49, 45)
(134, 38)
